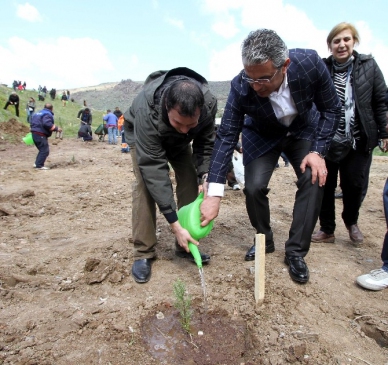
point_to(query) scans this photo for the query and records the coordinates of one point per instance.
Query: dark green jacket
(156, 141)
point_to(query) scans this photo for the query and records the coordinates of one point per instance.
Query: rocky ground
(67, 296)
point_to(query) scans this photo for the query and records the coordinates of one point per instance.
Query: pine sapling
(183, 304)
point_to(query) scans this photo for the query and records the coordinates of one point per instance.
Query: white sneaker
(43, 168)
(375, 280)
(236, 187)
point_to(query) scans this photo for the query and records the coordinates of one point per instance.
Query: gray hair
(263, 45)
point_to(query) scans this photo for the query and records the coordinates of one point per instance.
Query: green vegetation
(378, 152)
(183, 304)
(65, 117)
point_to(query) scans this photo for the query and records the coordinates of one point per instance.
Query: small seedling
(183, 304)
(73, 159)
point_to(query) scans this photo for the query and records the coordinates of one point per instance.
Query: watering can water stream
(189, 217)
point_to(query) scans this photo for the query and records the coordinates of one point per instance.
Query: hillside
(121, 94)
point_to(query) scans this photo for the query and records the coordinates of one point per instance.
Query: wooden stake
(259, 268)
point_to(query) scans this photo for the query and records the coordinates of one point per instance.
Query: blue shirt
(110, 119)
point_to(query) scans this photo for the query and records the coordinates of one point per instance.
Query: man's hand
(182, 236)
(59, 129)
(209, 209)
(318, 167)
(384, 146)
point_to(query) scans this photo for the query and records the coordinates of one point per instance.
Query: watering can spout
(196, 254)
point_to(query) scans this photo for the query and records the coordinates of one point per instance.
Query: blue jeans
(42, 145)
(384, 252)
(112, 134)
(29, 116)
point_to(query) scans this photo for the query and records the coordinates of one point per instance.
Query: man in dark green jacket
(171, 122)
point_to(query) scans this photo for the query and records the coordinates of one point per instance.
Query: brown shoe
(321, 236)
(355, 233)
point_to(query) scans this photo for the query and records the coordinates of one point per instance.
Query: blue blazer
(315, 98)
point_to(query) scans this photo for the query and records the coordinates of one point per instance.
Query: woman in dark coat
(361, 88)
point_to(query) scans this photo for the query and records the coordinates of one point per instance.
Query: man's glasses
(258, 81)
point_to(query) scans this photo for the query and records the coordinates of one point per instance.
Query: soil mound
(13, 128)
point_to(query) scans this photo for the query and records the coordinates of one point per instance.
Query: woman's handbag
(338, 150)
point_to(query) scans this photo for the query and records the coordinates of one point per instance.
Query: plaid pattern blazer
(315, 98)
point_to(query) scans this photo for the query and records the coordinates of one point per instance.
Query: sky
(77, 43)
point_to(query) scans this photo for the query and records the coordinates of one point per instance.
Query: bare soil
(67, 295)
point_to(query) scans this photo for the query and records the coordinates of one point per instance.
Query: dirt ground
(67, 296)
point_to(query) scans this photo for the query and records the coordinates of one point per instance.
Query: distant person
(53, 93)
(285, 159)
(30, 109)
(290, 105)
(230, 176)
(85, 105)
(85, 116)
(111, 123)
(85, 133)
(64, 98)
(42, 126)
(44, 91)
(68, 94)
(14, 85)
(361, 88)
(13, 99)
(117, 112)
(173, 109)
(24, 85)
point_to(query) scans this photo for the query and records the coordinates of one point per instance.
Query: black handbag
(338, 150)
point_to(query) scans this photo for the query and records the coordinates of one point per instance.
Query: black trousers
(308, 197)
(15, 105)
(352, 171)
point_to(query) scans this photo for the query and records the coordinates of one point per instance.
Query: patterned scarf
(349, 99)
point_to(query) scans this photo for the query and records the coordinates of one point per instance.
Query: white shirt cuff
(215, 189)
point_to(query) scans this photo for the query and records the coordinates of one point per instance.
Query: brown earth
(67, 297)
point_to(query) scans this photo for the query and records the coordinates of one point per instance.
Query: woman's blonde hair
(339, 28)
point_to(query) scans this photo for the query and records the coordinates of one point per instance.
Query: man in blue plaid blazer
(282, 101)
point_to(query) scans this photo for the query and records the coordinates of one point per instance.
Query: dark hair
(184, 94)
(264, 45)
(87, 110)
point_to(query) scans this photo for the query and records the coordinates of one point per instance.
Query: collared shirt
(282, 103)
(285, 110)
(314, 95)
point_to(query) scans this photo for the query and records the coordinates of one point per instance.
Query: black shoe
(187, 255)
(141, 270)
(250, 255)
(298, 269)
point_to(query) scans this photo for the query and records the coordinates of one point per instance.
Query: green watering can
(27, 139)
(189, 217)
